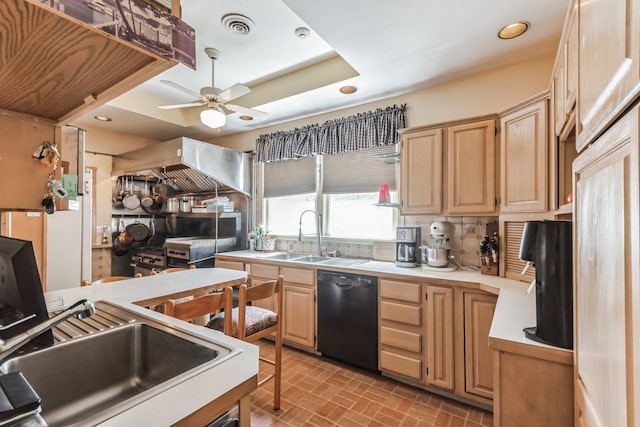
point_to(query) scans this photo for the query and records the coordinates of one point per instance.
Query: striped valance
(358, 132)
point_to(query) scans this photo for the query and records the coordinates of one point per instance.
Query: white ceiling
(384, 48)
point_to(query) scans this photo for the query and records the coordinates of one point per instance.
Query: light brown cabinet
(524, 157)
(607, 284)
(478, 357)
(299, 314)
(609, 63)
(299, 307)
(471, 168)
(401, 329)
(565, 75)
(231, 265)
(467, 183)
(100, 263)
(421, 172)
(439, 336)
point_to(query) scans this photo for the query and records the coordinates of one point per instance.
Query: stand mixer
(435, 255)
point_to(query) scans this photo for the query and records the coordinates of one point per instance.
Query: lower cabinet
(401, 329)
(100, 263)
(299, 293)
(437, 336)
(478, 357)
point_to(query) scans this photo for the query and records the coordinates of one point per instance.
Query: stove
(185, 251)
(146, 259)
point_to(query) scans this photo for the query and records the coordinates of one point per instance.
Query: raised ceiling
(383, 48)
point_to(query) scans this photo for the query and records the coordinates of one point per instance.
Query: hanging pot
(131, 200)
(155, 240)
(119, 248)
(171, 205)
(147, 200)
(138, 231)
(185, 204)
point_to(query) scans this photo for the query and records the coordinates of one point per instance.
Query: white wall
(480, 94)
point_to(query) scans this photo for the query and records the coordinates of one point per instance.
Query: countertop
(514, 311)
(174, 404)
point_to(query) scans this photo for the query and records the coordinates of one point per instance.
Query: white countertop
(514, 311)
(185, 398)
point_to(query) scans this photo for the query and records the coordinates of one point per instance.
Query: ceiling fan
(216, 100)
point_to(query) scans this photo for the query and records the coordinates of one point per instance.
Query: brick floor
(317, 392)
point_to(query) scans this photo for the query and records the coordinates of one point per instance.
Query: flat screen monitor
(22, 303)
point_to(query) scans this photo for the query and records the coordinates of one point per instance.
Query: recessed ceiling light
(243, 117)
(513, 30)
(302, 32)
(102, 118)
(348, 90)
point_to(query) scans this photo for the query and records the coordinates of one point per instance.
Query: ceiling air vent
(237, 24)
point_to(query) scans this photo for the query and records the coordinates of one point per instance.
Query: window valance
(358, 132)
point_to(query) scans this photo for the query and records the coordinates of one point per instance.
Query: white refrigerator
(69, 232)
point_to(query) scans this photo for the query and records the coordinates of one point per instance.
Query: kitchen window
(343, 187)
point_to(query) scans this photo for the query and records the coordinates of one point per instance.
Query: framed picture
(164, 3)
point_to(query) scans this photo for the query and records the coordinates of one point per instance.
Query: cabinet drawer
(400, 313)
(404, 340)
(403, 365)
(268, 271)
(402, 291)
(232, 265)
(297, 275)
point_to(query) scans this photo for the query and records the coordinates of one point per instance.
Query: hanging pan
(138, 231)
(131, 200)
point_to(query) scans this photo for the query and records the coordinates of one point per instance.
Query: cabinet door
(439, 347)
(478, 357)
(28, 226)
(421, 172)
(558, 86)
(231, 265)
(609, 51)
(299, 315)
(471, 164)
(571, 61)
(523, 160)
(607, 284)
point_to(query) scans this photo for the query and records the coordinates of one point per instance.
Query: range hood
(190, 165)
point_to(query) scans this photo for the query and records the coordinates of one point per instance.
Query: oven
(146, 259)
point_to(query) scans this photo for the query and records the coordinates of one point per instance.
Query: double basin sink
(90, 379)
(314, 259)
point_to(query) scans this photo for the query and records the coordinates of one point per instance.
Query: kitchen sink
(283, 256)
(343, 262)
(311, 258)
(92, 378)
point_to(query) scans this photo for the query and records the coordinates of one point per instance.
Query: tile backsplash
(468, 232)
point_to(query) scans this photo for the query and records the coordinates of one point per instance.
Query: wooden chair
(201, 306)
(107, 280)
(172, 270)
(250, 323)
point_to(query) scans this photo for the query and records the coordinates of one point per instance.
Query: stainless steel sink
(90, 379)
(287, 256)
(311, 258)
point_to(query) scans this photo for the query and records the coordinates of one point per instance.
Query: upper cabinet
(609, 70)
(565, 75)
(524, 157)
(467, 183)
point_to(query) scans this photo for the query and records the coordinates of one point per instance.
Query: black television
(22, 303)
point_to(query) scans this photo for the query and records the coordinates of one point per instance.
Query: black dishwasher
(348, 318)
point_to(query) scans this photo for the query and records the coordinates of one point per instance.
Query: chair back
(202, 306)
(172, 270)
(255, 293)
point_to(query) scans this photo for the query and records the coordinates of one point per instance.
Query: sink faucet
(81, 309)
(318, 228)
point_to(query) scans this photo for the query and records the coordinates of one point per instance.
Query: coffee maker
(407, 242)
(547, 245)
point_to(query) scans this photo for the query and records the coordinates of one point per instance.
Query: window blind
(359, 171)
(290, 177)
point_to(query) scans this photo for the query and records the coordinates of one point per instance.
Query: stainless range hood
(190, 165)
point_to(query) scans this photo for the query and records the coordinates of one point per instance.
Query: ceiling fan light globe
(213, 118)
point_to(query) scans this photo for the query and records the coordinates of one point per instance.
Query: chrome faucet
(318, 228)
(81, 309)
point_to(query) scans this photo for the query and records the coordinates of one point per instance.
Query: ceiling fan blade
(190, 104)
(235, 91)
(256, 114)
(181, 88)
